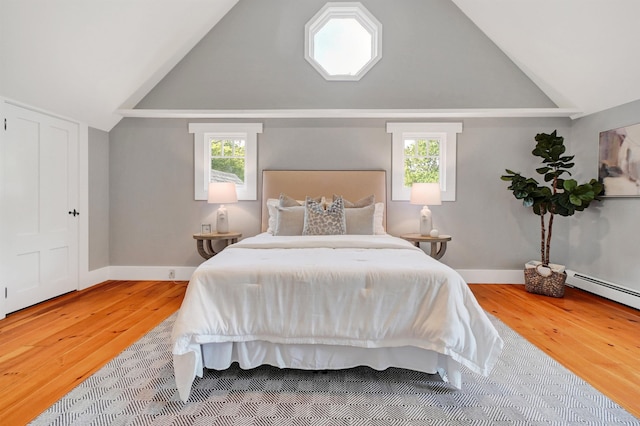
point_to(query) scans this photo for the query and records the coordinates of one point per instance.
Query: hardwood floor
(48, 349)
(595, 338)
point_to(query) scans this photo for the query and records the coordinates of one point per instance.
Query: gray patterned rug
(526, 388)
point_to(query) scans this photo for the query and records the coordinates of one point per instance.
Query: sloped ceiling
(86, 59)
(581, 53)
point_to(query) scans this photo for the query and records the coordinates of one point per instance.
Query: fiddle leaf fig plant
(558, 195)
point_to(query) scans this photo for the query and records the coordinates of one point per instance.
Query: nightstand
(205, 242)
(438, 244)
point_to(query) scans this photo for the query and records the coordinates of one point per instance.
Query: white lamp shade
(426, 194)
(222, 193)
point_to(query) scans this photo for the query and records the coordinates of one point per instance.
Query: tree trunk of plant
(548, 245)
(542, 238)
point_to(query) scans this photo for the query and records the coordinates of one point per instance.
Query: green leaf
(520, 194)
(570, 184)
(576, 201)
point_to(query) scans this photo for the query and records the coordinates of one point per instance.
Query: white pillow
(378, 214)
(272, 203)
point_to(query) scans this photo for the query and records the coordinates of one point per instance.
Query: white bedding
(360, 291)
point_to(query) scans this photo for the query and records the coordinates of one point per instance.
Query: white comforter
(368, 291)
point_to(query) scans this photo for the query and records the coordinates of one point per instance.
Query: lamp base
(426, 225)
(222, 220)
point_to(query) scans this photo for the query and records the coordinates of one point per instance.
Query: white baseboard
(183, 273)
(151, 273)
(602, 288)
(94, 277)
(492, 276)
(135, 273)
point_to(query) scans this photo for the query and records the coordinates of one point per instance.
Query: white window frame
(339, 10)
(447, 133)
(202, 135)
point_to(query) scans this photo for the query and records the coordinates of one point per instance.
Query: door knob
(74, 213)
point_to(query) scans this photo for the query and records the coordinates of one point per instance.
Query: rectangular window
(421, 160)
(423, 152)
(228, 160)
(226, 152)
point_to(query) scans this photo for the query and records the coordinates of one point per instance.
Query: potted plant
(557, 196)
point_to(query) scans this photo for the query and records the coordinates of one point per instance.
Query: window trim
(354, 10)
(202, 134)
(447, 132)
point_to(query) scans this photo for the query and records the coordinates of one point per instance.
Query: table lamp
(222, 193)
(426, 194)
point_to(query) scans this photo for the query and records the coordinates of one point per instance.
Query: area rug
(527, 387)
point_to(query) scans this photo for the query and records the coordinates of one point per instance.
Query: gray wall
(153, 213)
(433, 56)
(604, 242)
(98, 199)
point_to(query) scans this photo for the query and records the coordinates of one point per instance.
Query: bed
(329, 301)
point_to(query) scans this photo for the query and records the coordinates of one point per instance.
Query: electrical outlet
(172, 274)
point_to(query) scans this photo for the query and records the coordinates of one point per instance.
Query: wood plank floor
(595, 338)
(48, 349)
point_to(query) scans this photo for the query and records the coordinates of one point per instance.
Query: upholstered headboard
(351, 184)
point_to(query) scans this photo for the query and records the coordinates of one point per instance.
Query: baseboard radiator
(603, 288)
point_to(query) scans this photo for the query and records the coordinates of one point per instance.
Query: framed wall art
(619, 161)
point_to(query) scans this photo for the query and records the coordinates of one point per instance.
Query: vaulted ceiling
(87, 59)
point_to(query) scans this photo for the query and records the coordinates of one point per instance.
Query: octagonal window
(343, 41)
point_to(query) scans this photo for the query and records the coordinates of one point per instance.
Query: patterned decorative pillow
(363, 202)
(320, 221)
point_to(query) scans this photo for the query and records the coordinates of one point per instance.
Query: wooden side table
(438, 244)
(205, 242)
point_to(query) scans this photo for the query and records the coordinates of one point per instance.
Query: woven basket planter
(546, 284)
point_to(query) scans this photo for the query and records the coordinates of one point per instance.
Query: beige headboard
(351, 184)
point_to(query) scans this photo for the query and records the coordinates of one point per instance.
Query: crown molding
(351, 113)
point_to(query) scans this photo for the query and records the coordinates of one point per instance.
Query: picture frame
(619, 161)
(205, 228)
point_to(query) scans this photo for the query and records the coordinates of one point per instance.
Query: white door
(39, 207)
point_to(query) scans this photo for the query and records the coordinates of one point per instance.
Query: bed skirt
(220, 356)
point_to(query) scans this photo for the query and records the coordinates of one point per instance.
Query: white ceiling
(85, 59)
(581, 53)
